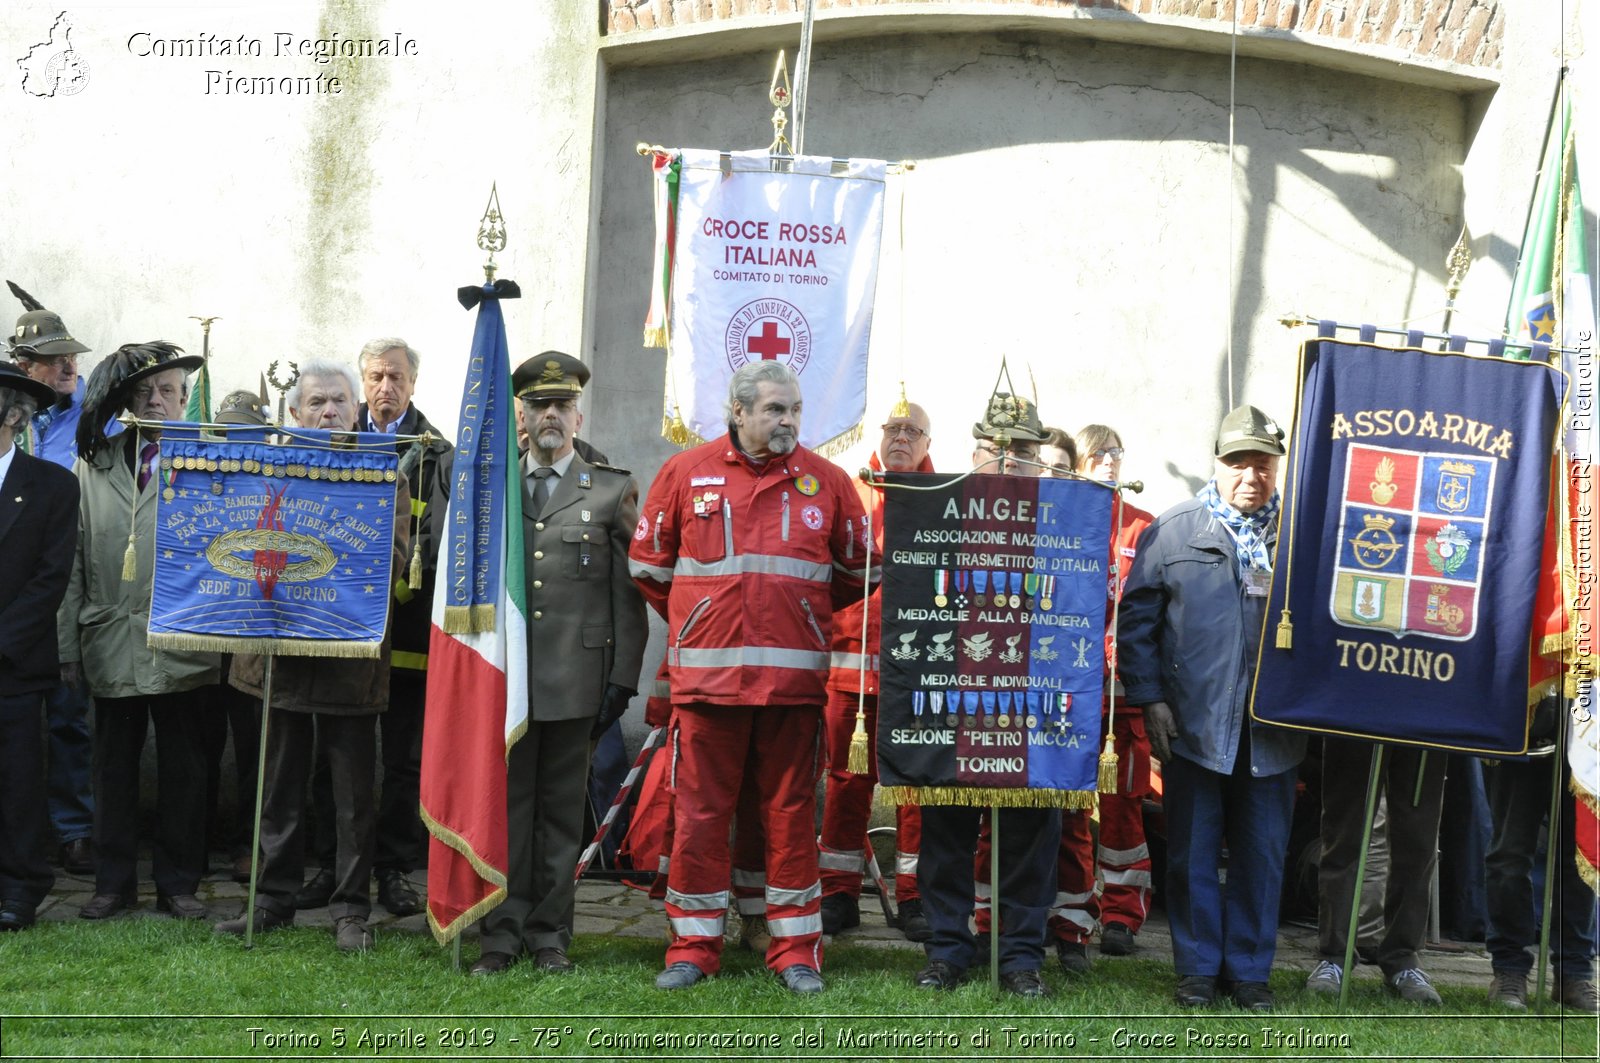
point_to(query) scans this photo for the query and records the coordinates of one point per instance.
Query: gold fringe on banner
(986, 796)
(655, 336)
(839, 443)
(1106, 782)
(458, 620)
(171, 640)
(483, 617)
(444, 934)
(1590, 873)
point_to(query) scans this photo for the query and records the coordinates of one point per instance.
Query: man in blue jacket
(1191, 620)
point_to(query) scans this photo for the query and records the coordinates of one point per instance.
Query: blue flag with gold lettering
(992, 663)
(1402, 597)
(274, 547)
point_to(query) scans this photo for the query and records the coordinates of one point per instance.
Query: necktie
(147, 457)
(541, 487)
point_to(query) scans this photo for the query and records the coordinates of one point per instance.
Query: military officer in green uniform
(586, 642)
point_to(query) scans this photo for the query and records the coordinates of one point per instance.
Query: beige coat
(104, 620)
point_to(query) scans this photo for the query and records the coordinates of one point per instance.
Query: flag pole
(802, 75)
(261, 783)
(1533, 194)
(1552, 833)
(1373, 776)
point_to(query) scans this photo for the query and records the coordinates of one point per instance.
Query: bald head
(905, 440)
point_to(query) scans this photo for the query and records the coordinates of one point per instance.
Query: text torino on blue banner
(1409, 553)
(992, 663)
(268, 548)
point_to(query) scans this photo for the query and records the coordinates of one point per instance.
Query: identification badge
(807, 485)
(1256, 581)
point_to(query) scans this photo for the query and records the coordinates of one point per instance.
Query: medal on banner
(989, 699)
(941, 583)
(1032, 699)
(1005, 708)
(952, 704)
(980, 586)
(1030, 587)
(1066, 703)
(1016, 590)
(935, 703)
(961, 582)
(918, 699)
(999, 583)
(1047, 587)
(969, 702)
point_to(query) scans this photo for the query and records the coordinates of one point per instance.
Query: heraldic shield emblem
(1411, 541)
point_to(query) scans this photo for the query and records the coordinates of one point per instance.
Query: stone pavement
(611, 908)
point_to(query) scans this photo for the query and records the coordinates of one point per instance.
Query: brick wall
(1467, 32)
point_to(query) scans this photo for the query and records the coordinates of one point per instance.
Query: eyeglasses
(910, 431)
(1027, 452)
(1113, 453)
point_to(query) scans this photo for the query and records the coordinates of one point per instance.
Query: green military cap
(1247, 428)
(550, 375)
(42, 334)
(1011, 416)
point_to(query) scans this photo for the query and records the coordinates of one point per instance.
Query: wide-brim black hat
(149, 359)
(11, 376)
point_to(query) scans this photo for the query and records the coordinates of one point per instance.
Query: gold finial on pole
(1456, 262)
(491, 232)
(781, 96)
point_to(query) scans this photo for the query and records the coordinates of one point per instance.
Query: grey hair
(13, 399)
(322, 367)
(747, 380)
(389, 343)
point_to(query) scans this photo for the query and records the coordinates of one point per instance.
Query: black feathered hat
(111, 384)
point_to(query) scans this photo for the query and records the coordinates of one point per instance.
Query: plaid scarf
(1249, 532)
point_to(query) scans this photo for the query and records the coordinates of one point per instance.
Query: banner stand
(1376, 773)
(994, 899)
(261, 783)
(1558, 772)
(890, 915)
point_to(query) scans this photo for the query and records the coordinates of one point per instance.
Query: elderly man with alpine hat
(746, 546)
(103, 637)
(38, 510)
(1191, 620)
(48, 354)
(587, 630)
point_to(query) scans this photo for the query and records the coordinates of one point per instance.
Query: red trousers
(714, 750)
(847, 807)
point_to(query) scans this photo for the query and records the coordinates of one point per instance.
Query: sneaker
(1326, 979)
(753, 934)
(1509, 989)
(1116, 940)
(1074, 957)
(1577, 994)
(350, 934)
(680, 975)
(1413, 987)
(913, 924)
(798, 978)
(840, 911)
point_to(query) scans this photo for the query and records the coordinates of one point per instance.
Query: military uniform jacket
(105, 620)
(586, 619)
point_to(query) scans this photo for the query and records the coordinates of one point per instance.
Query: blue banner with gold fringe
(1402, 596)
(274, 547)
(993, 641)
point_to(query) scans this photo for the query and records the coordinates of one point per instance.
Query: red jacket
(746, 564)
(1124, 538)
(845, 666)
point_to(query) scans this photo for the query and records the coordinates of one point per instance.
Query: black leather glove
(612, 705)
(1162, 728)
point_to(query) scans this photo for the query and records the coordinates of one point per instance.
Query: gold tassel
(1107, 781)
(458, 619)
(130, 562)
(903, 407)
(414, 579)
(655, 336)
(673, 430)
(1285, 637)
(858, 747)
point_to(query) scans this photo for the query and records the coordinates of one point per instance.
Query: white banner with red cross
(767, 265)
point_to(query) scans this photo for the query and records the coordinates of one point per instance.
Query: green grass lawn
(163, 989)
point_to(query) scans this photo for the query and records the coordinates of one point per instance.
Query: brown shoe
(104, 906)
(182, 906)
(350, 933)
(753, 934)
(1578, 994)
(77, 857)
(552, 959)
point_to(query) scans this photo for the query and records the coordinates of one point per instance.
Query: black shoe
(1074, 957)
(1252, 996)
(840, 911)
(493, 963)
(940, 975)
(1116, 940)
(264, 920)
(15, 916)
(396, 893)
(1196, 991)
(181, 906)
(316, 892)
(104, 906)
(913, 924)
(1024, 983)
(552, 960)
(77, 857)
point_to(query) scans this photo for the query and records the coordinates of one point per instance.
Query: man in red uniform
(853, 677)
(744, 546)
